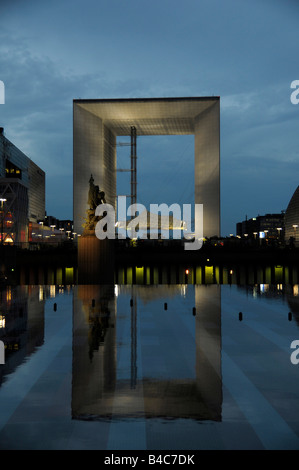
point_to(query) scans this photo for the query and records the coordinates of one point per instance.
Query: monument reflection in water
(147, 351)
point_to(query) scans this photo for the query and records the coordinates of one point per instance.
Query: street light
(2, 217)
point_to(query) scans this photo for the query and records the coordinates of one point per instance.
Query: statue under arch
(95, 197)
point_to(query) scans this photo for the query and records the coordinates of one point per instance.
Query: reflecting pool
(162, 367)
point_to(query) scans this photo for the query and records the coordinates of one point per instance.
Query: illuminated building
(97, 123)
(22, 192)
(269, 226)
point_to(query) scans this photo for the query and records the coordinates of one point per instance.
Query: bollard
(290, 316)
(131, 302)
(55, 307)
(194, 311)
(165, 306)
(240, 316)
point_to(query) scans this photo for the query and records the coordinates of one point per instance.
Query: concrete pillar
(207, 167)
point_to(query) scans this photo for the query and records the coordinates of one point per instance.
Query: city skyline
(244, 52)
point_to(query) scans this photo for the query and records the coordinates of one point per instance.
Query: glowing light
(8, 294)
(187, 271)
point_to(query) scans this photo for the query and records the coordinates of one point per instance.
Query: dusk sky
(246, 52)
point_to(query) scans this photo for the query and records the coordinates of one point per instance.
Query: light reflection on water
(124, 360)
